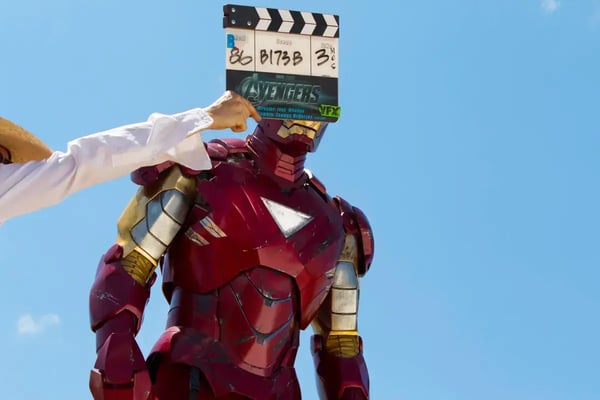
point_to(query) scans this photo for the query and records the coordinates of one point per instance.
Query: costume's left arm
(101, 157)
(124, 277)
(337, 346)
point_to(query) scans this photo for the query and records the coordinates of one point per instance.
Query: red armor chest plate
(244, 220)
(251, 266)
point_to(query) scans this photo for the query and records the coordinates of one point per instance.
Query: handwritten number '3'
(322, 56)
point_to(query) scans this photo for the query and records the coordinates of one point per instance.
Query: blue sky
(469, 136)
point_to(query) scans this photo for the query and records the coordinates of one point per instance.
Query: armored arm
(123, 280)
(336, 346)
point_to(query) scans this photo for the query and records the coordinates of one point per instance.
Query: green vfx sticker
(330, 111)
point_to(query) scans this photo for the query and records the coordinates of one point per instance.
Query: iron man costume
(251, 252)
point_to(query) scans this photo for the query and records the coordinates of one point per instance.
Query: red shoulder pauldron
(219, 149)
(356, 223)
(147, 175)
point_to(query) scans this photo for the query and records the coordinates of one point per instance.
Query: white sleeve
(101, 157)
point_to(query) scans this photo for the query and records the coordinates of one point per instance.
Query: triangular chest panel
(287, 219)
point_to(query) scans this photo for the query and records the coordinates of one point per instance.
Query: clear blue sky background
(469, 136)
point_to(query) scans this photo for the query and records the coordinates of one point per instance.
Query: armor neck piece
(284, 161)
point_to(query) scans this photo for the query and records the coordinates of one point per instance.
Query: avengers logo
(258, 91)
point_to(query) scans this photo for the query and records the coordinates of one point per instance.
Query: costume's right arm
(123, 280)
(337, 346)
(101, 157)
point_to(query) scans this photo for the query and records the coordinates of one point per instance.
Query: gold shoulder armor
(151, 220)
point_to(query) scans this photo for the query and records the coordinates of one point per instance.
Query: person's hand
(231, 111)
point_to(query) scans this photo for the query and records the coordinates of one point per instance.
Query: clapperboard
(285, 62)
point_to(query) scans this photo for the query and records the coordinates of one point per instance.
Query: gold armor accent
(337, 318)
(195, 237)
(294, 127)
(138, 266)
(212, 228)
(139, 258)
(343, 345)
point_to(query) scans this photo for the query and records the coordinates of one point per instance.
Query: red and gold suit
(251, 252)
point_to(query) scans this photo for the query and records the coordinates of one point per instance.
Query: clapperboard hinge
(283, 21)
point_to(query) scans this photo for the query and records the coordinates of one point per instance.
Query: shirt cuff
(191, 153)
(169, 139)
